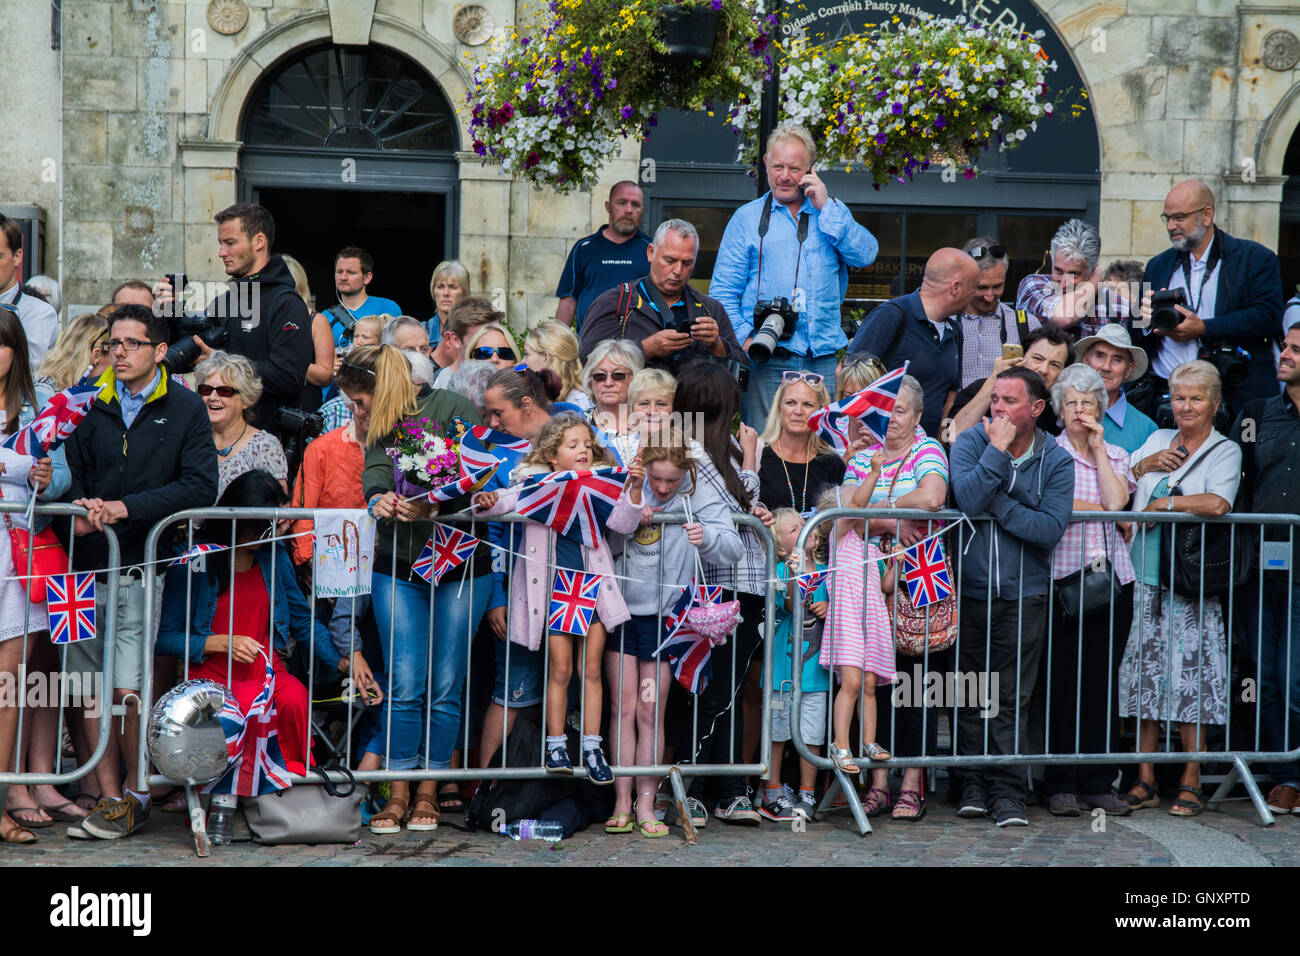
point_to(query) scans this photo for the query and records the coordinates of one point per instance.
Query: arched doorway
(1288, 234)
(355, 146)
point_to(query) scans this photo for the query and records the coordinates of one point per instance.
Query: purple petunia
(533, 159)
(626, 112)
(940, 122)
(897, 109)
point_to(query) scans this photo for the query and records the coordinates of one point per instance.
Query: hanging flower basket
(552, 100)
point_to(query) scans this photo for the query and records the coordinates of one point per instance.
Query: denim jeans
(402, 612)
(1279, 694)
(765, 379)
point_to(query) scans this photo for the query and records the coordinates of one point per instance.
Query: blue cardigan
(291, 613)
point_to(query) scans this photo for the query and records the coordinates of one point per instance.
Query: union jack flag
(474, 451)
(691, 656)
(573, 602)
(72, 607)
(707, 593)
(873, 407)
(195, 555)
(926, 573)
(55, 422)
(467, 482)
(810, 582)
(676, 615)
(447, 549)
(576, 504)
(256, 764)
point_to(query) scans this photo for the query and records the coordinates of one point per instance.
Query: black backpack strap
(624, 307)
(341, 315)
(1022, 325)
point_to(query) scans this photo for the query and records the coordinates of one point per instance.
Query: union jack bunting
(195, 555)
(810, 582)
(256, 765)
(873, 407)
(54, 423)
(573, 602)
(926, 573)
(72, 607)
(576, 504)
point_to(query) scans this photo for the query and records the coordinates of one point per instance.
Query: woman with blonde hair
(795, 466)
(78, 353)
(324, 363)
(554, 346)
(449, 284)
(493, 343)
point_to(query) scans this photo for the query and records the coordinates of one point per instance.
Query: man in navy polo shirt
(614, 253)
(918, 328)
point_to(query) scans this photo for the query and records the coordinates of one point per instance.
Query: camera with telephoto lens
(1163, 314)
(1229, 361)
(184, 351)
(774, 321)
(296, 427)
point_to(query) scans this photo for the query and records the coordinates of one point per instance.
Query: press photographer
(1212, 297)
(261, 314)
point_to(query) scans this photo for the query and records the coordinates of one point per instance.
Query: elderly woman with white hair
(1093, 609)
(1175, 667)
(471, 380)
(606, 378)
(1068, 296)
(229, 386)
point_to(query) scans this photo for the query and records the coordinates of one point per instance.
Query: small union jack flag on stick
(873, 407)
(573, 602)
(72, 607)
(576, 504)
(55, 422)
(926, 573)
(195, 555)
(447, 549)
(256, 763)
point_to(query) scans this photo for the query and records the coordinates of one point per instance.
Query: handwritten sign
(344, 551)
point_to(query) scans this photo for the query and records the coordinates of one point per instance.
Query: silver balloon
(186, 740)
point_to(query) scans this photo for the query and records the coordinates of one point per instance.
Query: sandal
(1148, 798)
(877, 752)
(450, 801)
(652, 829)
(877, 801)
(425, 805)
(86, 801)
(389, 820)
(15, 832)
(30, 822)
(622, 823)
(173, 801)
(910, 806)
(1188, 808)
(843, 760)
(58, 814)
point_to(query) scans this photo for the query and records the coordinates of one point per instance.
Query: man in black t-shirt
(1047, 352)
(614, 253)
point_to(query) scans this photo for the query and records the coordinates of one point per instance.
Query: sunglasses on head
(990, 252)
(791, 375)
(225, 391)
(484, 352)
(601, 377)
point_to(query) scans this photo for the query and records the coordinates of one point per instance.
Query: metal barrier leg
(683, 813)
(198, 825)
(845, 783)
(1241, 771)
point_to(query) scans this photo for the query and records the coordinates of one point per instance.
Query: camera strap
(347, 320)
(764, 222)
(661, 304)
(1211, 263)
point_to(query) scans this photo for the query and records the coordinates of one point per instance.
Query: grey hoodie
(1030, 506)
(641, 548)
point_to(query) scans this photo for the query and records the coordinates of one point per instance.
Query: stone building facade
(127, 136)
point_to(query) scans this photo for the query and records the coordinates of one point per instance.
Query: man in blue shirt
(803, 255)
(1112, 353)
(353, 270)
(612, 254)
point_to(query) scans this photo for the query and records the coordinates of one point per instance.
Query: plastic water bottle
(221, 818)
(535, 830)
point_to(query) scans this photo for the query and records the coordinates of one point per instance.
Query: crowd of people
(1094, 390)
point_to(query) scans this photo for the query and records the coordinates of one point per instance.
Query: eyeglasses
(792, 375)
(225, 391)
(1180, 217)
(503, 352)
(991, 252)
(600, 377)
(131, 345)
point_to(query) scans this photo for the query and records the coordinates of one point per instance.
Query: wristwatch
(1169, 505)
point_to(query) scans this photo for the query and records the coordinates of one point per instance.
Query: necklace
(223, 452)
(803, 500)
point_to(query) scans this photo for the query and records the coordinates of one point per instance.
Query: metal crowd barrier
(37, 721)
(1272, 559)
(677, 771)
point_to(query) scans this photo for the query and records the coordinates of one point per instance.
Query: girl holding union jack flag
(562, 587)
(24, 624)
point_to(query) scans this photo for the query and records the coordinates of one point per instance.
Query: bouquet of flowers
(424, 457)
(552, 98)
(903, 97)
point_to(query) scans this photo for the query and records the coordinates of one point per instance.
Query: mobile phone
(1012, 351)
(178, 281)
(1181, 451)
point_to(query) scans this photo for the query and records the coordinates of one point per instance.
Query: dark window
(350, 98)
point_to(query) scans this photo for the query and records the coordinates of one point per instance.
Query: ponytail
(384, 373)
(521, 382)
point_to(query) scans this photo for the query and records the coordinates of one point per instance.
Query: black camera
(184, 351)
(1163, 313)
(774, 321)
(295, 428)
(1230, 362)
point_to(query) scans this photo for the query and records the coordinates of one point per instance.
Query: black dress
(787, 484)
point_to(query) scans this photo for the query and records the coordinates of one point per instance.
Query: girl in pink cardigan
(566, 443)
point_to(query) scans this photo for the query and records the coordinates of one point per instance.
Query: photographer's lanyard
(763, 222)
(661, 304)
(1212, 260)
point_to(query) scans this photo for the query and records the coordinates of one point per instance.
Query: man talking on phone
(783, 269)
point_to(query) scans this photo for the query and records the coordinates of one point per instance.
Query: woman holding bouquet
(415, 733)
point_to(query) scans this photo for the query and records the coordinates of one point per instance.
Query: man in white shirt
(40, 321)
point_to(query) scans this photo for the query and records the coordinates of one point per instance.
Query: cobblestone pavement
(1230, 836)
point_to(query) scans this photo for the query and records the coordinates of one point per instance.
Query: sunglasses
(991, 252)
(225, 391)
(601, 377)
(484, 352)
(791, 375)
(853, 359)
